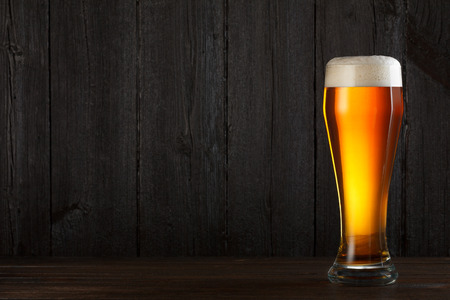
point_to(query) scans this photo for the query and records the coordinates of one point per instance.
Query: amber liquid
(363, 125)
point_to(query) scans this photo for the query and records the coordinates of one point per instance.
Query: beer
(363, 109)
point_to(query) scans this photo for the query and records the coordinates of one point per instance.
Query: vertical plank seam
(192, 38)
(85, 28)
(426, 226)
(226, 129)
(374, 31)
(404, 246)
(50, 127)
(272, 41)
(315, 134)
(10, 122)
(138, 126)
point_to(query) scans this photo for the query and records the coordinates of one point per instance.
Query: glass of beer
(363, 110)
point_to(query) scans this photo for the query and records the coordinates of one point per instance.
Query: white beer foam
(355, 71)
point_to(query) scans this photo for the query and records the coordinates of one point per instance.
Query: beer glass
(363, 109)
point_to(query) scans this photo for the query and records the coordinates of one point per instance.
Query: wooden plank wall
(174, 128)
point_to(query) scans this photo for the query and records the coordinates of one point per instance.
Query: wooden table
(209, 278)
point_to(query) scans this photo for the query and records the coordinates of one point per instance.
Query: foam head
(354, 71)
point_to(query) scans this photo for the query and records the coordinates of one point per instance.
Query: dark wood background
(149, 128)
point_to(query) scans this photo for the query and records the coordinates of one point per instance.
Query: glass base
(376, 274)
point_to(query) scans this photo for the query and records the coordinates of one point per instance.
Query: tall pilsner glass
(363, 110)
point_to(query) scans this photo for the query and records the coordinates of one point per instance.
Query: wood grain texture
(428, 94)
(93, 125)
(174, 128)
(210, 278)
(24, 129)
(182, 129)
(349, 29)
(250, 130)
(292, 143)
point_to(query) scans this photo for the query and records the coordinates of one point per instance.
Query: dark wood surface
(93, 128)
(182, 206)
(428, 129)
(152, 128)
(271, 129)
(25, 205)
(292, 162)
(249, 87)
(209, 278)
